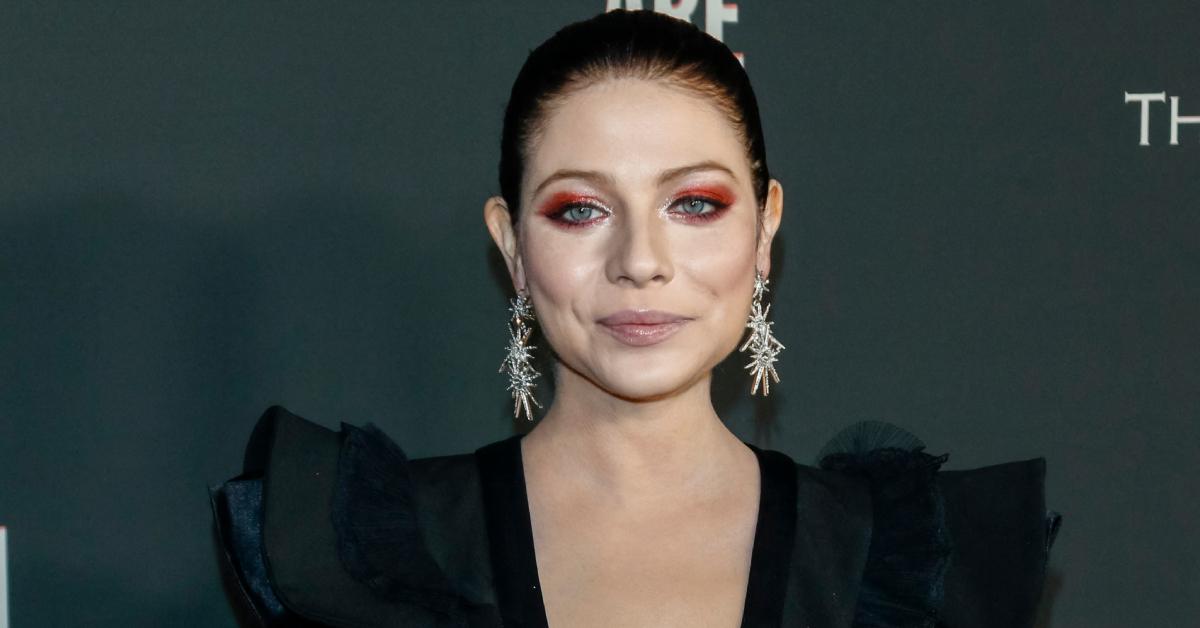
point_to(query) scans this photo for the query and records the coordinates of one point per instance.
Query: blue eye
(578, 213)
(694, 206)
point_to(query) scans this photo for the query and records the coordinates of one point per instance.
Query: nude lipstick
(641, 328)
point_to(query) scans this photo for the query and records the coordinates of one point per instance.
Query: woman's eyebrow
(707, 164)
(603, 178)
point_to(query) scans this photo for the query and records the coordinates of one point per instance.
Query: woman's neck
(634, 452)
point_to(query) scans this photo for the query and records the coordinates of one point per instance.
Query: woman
(636, 218)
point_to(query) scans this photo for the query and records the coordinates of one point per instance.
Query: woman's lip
(643, 335)
(641, 317)
(640, 328)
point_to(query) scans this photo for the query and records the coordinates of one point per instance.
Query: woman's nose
(641, 253)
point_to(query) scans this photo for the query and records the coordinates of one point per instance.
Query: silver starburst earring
(764, 347)
(517, 357)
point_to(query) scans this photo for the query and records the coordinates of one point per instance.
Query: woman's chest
(692, 570)
(640, 597)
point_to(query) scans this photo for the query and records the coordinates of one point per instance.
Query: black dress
(328, 528)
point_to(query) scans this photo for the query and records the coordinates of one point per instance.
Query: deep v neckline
(514, 563)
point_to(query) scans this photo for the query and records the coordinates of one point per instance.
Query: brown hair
(627, 44)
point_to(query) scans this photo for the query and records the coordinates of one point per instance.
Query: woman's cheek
(718, 257)
(557, 263)
(561, 275)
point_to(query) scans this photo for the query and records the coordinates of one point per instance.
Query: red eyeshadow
(558, 200)
(720, 194)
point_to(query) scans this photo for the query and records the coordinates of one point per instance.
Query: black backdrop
(207, 208)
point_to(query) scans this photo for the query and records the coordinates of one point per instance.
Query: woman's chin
(650, 380)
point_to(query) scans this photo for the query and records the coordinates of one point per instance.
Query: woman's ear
(500, 225)
(771, 216)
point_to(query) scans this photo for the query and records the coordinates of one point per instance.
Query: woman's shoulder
(336, 526)
(331, 526)
(946, 547)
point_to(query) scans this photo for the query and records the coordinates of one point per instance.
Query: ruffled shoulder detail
(903, 579)
(379, 537)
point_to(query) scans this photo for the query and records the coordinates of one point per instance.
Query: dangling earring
(764, 347)
(516, 360)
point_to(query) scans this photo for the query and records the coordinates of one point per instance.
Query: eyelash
(718, 209)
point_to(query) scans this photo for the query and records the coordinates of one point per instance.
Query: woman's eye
(694, 206)
(579, 213)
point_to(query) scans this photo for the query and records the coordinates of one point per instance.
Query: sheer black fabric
(329, 528)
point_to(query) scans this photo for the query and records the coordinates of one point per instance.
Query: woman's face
(637, 241)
